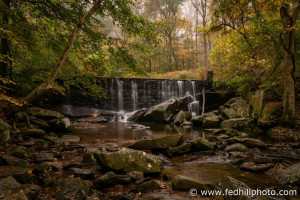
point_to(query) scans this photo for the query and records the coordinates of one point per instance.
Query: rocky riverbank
(41, 158)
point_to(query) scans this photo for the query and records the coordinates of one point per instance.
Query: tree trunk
(42, 89)
(288, 39)
(196, 27)
(4, 49)
(169, 52)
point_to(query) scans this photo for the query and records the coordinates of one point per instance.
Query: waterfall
(194, 103)
(180, 88)
(134, 95)
(203, 100)
(120, 94)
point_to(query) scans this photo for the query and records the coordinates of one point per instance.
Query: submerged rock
(163, 112)
(158, 143)
(183, 183)
(71, 188)
(126, 160)
(201, 144)
(111, 179)
(5, 129)
(291, 175)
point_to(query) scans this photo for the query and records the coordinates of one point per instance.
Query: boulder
(236, 147)
(16, 196)
(7, 185)
(163, 112)
(146, 186)
(232, 132)
(136, 175)
(198, 120)
(71, 188)
(126, 160)
(45, 114)
(19, 173)
(256, 101)
(61, 125)
(82, 173)
(240, 106)
(183, 183)
(201, 144)
(229, 183)
(33, 132)
(229, 113)
(249, 142)
(44, 157)
(41, 124)
(238, 123)
(158, 143)
(179, 150)
(291, 175)
(181, 117)
(5, 129)
(30, 190)
(111, 179)
(13, 161)
(211, 122)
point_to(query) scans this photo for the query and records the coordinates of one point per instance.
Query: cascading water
(180, 88)
(203, 100)
(120, 94)
(134, 95)
(194, 104)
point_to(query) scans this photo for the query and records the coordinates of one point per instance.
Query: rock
(179, 150)
(5, 129)
(240, 106)
(238, 123)
(61, 125)
(71, 188)
(250, 166)
(22, 152)
(158, 143)
(13, 161)
(16, 196)
(163, 112)
(136, 175)
(41, 169)
(249, 142)
(82, 173)
(291, 175)
(181, 117)
(33, 132)
(30, 190)
(236, 147)
(183, 183)
(161, 196)
(229, 113)
(45, 114)
(201, 144)
(211, 122)
(70, 138)
(111, 179)
(7, 185)
(256, 101)
(232, 132)
(187, 123)
(272, 112)
(146, 186)
(89, 158)
(126, 160)
(44, 157)
(19, 173)
(197, 120)
(41, 124)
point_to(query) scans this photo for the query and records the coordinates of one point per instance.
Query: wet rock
(201, 144)
(89, 158)
(249, 142)
(250, 166)
(232, 132)
(136, 175)
(44, 157)
(236, 147)
(164, 161)
(229, 113)
(291, 175)
(82, 173)
(21, 174)
(158, 143)
(41, 124)
(183, 183)
(45, 114)
(13, 161)
(187, 123)
(139, 127)
(70, 138)
(30, 190)
(41, 169)
(181, 117)
(16, 196)
(22, 152)
(61, 125)
(7, 185)
(71, 188)
(238, 123)
(34, 132)
(229, 183)
(5, 129)
(197, 120)
(179, 150)
(211, 122)
(111, 179)
(163, 112)
(146, 186)
(161, 196)
(126, 160)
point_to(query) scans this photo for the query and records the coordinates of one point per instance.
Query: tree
(289, 18)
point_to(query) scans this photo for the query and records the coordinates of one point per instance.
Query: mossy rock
(5, 129)
(179, 150)
(201, 144)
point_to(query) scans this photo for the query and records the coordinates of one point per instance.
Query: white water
(120, 94)
(203, 100)
(134, 95)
